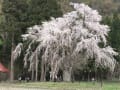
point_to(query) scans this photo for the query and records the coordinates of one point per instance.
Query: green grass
(111, 86)
(67, 86)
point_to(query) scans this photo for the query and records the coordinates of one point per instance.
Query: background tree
(64, 5)
(20, 14)
(13, 11)
(114, 34)
(105, 7)
(114, 40)
(42, 10)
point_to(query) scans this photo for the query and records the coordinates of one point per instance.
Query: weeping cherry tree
(64, 42)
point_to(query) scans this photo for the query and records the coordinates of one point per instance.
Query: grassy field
(64, 86)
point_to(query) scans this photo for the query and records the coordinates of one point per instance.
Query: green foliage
(0, 42)
(21, 14)
(41, 10)
(15, 15)
(115, 34)
(18, 15)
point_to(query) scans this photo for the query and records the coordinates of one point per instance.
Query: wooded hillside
(105, 7)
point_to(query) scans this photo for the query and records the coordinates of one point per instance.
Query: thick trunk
(67, 75)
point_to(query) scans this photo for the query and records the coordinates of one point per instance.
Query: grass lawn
(66, 86)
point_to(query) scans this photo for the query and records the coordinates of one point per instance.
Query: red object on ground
(3, 68)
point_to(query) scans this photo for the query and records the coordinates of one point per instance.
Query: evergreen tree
(41, 10)
(115, 33)
(14, 12)
(21, 14)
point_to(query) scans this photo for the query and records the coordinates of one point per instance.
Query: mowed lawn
(61, 86)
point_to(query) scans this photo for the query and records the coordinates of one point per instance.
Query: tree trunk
(12, 69)
(42, 77)
(33, 73)
(72, 76)
(67, 75)
(36, 77)
(12, 60)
